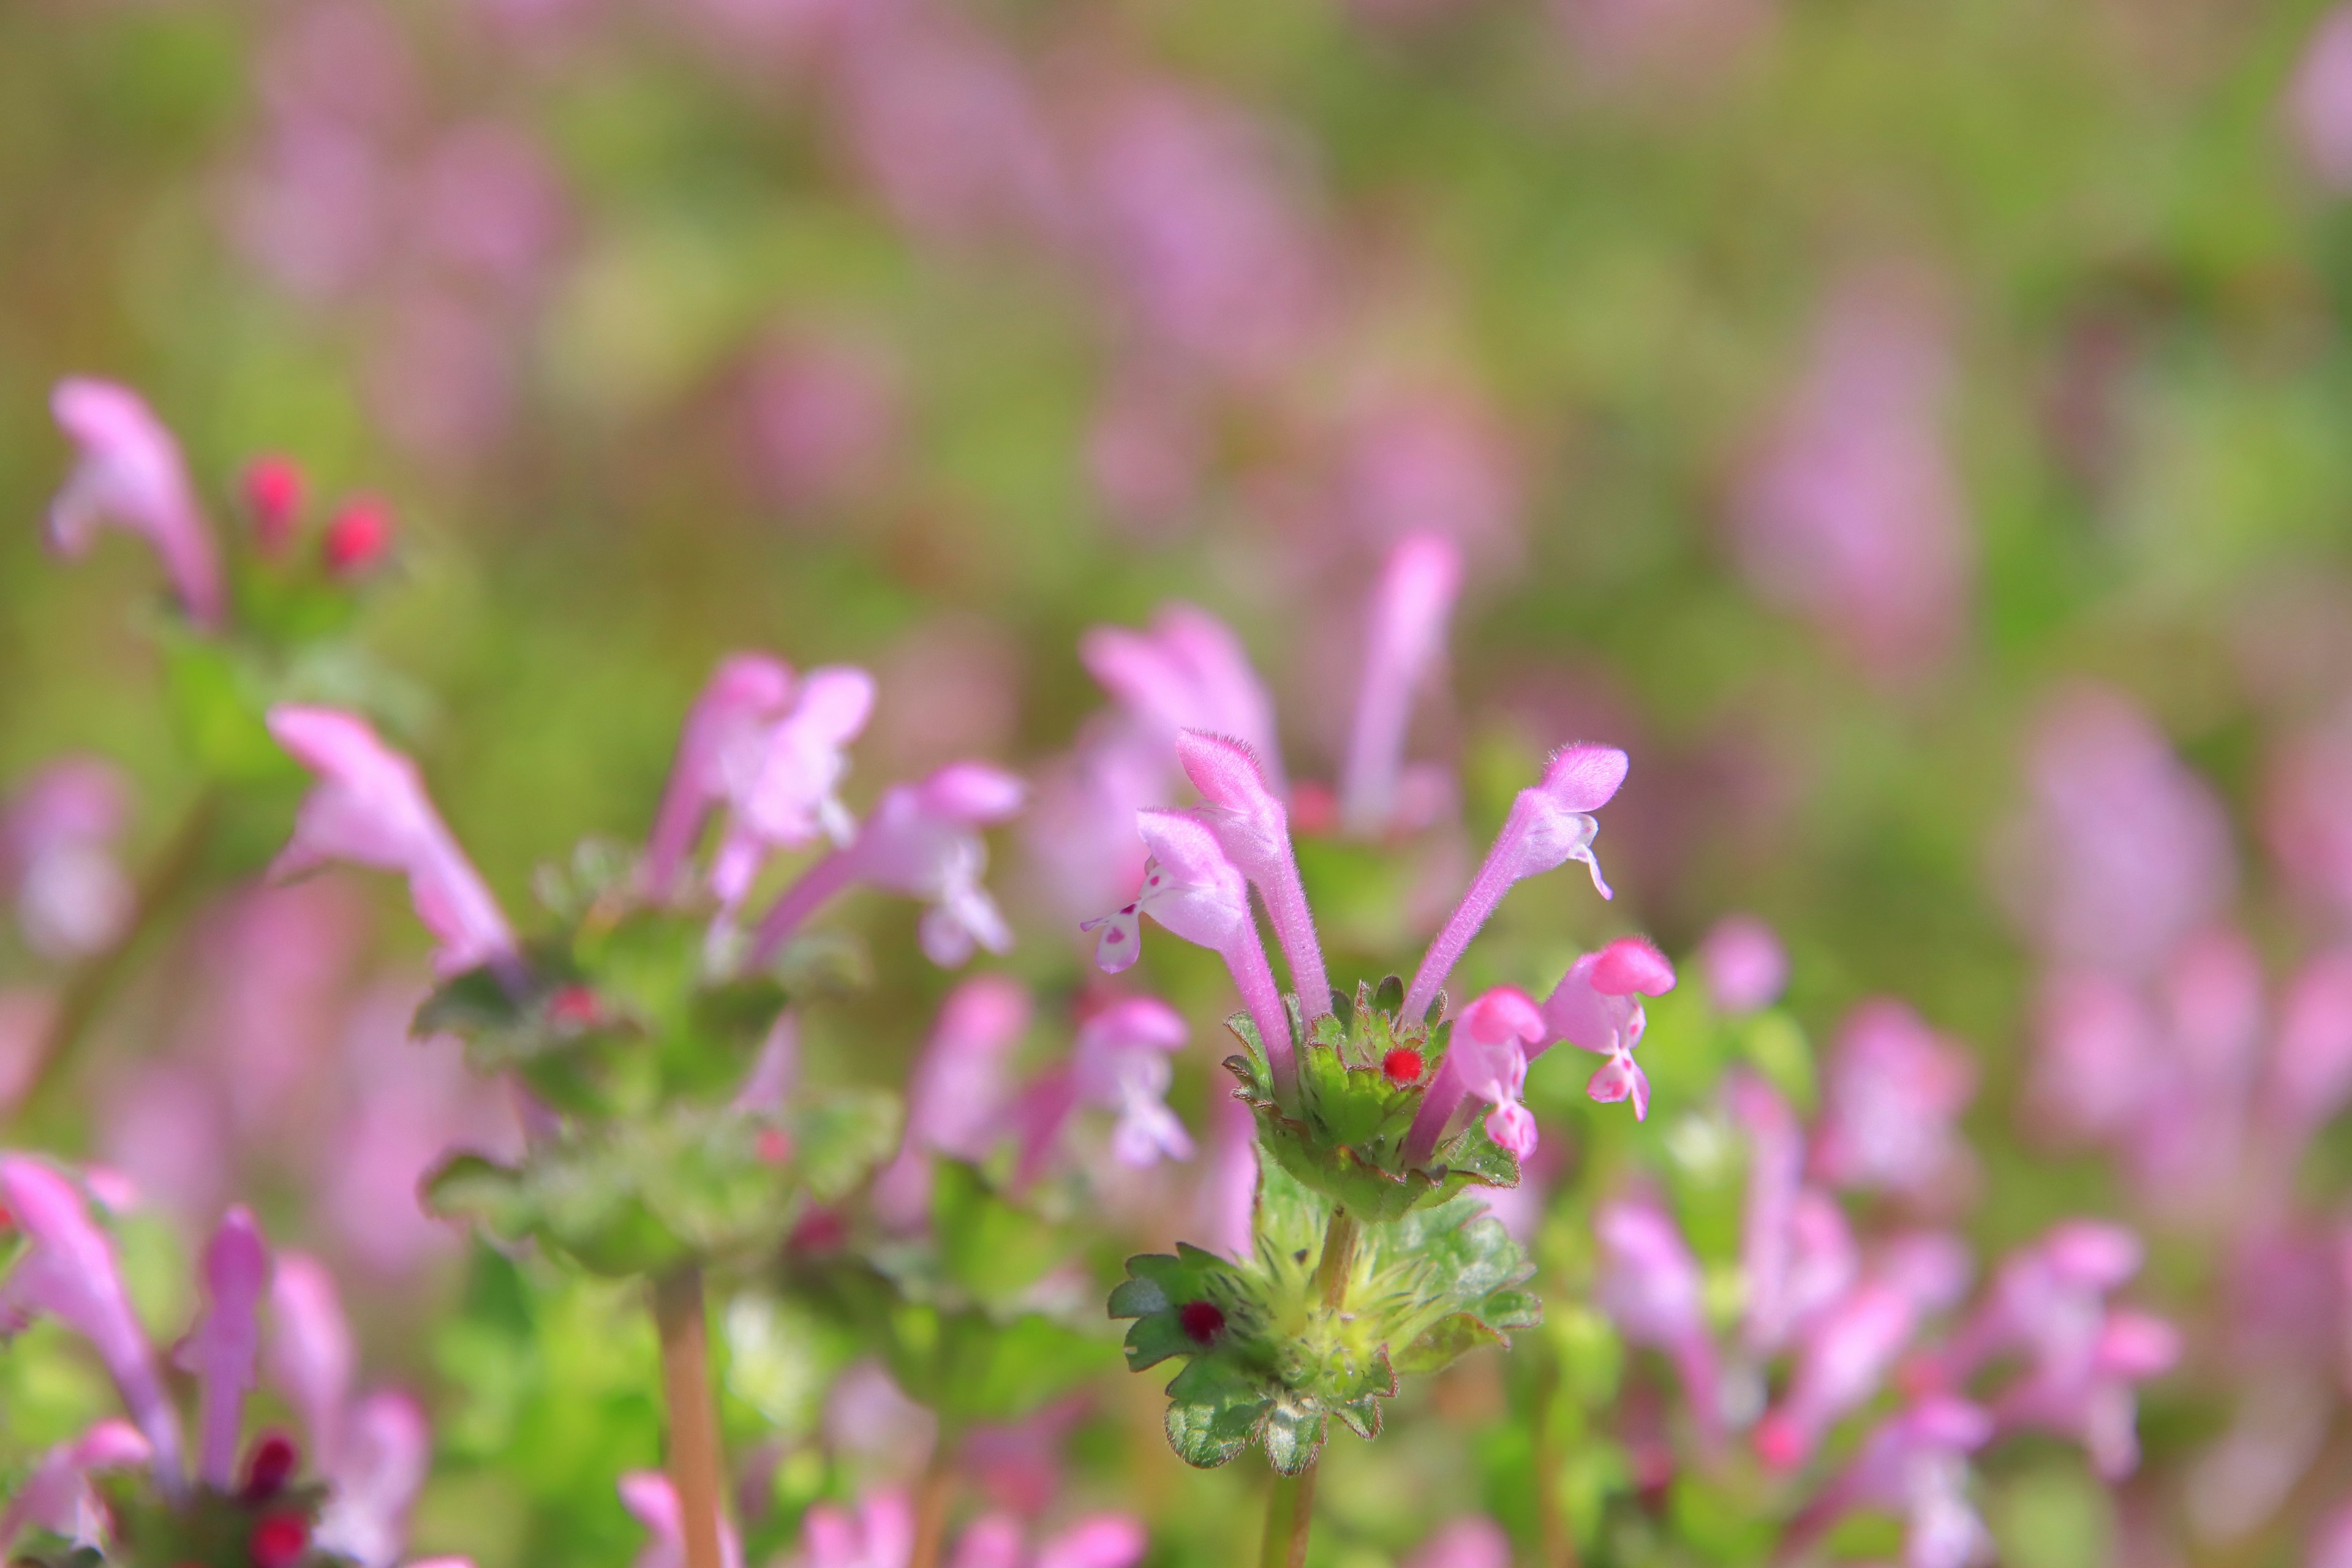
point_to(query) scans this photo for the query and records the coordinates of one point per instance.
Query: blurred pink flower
(1652, 1289)
(1851, 514)
(1745, 966)
(1472, 1542)
(1619, 44)
(960, 1094)
(1201, 231)
(1148, 445)
(57, 836)
(2092, 1398)
(486, 206)
(823, 416)
(719, 751)
(370, 808)
(129, 474)
(1404, 643)
(1915, 1463)
(653, 1501)
(2307, 800)
(2123, 850)
(1432, 464)
(1226, 1200)
(1893, 1096)
(2319, 101)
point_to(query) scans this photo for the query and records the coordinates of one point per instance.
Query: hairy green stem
(1289, 1511)
(695, 1467)
(1338, 1265)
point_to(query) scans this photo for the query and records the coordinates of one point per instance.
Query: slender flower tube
(921, 841)
(719, 749)
(1549, 825)
(1487, 1059)
(2048, 1301)
(1254, 830)
(1652, 1289)
(1915, 1462)
(1188, 672)
(69, 1272)
(1596, 1007)
(2092, 1398)
(1193, 890)
(370, 808)
(1404, 637)
(960, 1093)
(130, 474)
(225, 1347)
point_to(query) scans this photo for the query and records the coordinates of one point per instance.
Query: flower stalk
(694, 1462)
(1289, 1513)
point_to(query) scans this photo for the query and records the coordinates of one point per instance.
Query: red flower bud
(269, 1466)
(358, 536)
(272, 487)
(1403, 1065)
(279, 1540)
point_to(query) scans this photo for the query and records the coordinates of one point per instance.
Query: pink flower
(1549, 825)
(1188, 672)
(1195, 892)
(2319, 101)
(57, 849)
(921, 841)
(1121, 1064)
(2092, 1398)
(1894, 1090)
(1253, 829)
(786, 799)
(129, 473)
(370, 808)
(1797, 1256)
(224, 1348)
(1200, 234)
(1404, 640)
(57, 1496)
(1470, 1541)
(2311, 1063)
(2124, 850)
(961, 1095)
(878, 1533)
(1846, 1356)
(2048, 1300)
(1745, 966)
(1596, 1007)
(69, 1272)
(822, 417)
(716, 756)
(1915, 1463)
(1652, 1289)
(1853, 516)
(649, 1497)
(2307, 796)
(1487, 1059)
(1224, 1203)
(1432, 466)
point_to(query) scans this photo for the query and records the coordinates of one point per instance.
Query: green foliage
(643, 1195)
(1343, 1132)
(1269, 1360)
(968, 1316)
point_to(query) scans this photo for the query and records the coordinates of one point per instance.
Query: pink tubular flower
(2311, 1062)
(921, 841)
(370, 808)
(1853, 516)
(1225, 1202)
(2090, 1398)
(57, 852)
(716, 755)
(1745, 966)
(1652, 1289)
(822, 417)
(1797, 1256)
(878, 1533)
(1915, 1463)
(1254, 830)
(2048, 1301)
(69, 1272)
(2308, 794)
(1188, 672)
(1549, 825)
(1487, 1059)
(650, 1497)
(961, 1093)
(130, 474)
(786, 800)
(224, 1348)
(1596, 1007)
(2124, 850)
(2319, 101)
(1194, 891)
(1404, 639)
(1895, 1091)
(1121, 1064)
(58, 1497)
(1847, 1355)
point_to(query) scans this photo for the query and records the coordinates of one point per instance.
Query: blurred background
(1914, 429)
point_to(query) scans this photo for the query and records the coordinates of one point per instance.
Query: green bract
(1344, 1136)
(1269, 1360)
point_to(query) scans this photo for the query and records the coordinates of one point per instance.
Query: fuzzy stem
(1290, 1513)
(802, 900)
(87, 992)
(932, 1497)
(1294, 927)
(1337, 1264)
(1496, 875)
(1439, 1101)
(1245, 955)
(693, 1460)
